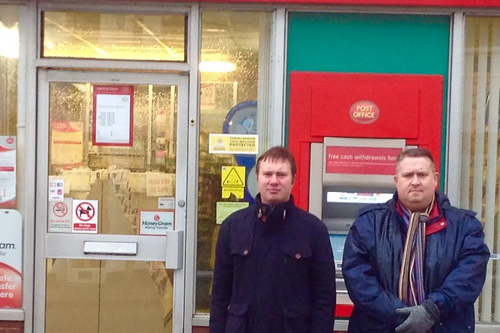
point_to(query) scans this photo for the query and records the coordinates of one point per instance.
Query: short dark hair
(415, 152)
(278, 153)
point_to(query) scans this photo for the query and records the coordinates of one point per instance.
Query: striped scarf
(411, 277)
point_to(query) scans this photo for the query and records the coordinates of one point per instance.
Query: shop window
(9, 54)
(114, 36)
(481, 147)
(234, 72)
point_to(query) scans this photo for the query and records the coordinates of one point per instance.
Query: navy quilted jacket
(455, 267)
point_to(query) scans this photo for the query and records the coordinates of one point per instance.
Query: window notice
(233, 144)
(113, 116)
(7, 171)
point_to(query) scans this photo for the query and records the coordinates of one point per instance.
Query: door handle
(110, 248)
(175, 249)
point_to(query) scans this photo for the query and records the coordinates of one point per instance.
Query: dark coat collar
(273, 213)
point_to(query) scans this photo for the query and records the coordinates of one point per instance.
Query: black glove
(420, 318)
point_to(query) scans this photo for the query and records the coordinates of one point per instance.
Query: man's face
(275, 181)
(416, 182)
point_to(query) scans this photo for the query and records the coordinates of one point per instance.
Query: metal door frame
(49, 244)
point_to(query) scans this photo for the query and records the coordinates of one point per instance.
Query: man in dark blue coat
(274, 269)
(414, 264)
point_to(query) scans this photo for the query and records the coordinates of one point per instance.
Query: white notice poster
(60, 215)
(7, 171)
(113, 115)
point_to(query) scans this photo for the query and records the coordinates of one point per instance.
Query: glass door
(111, 202)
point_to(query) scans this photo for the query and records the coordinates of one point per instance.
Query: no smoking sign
(60, 215)
(60, 209)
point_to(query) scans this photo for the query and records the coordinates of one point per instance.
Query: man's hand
(420, 318)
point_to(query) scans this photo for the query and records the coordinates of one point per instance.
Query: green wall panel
(371, 43)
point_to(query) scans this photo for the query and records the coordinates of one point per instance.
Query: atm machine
(347, 174)
(345, 131)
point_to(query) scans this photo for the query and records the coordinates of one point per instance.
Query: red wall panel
(410, 108)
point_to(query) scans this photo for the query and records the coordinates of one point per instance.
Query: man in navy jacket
(414, 264)
(274, 269)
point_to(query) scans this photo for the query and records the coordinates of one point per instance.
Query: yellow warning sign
(237, 192)
(233, 176)
(233, 144)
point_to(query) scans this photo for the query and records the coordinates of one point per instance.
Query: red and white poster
(7, 171)
(113, 115)
(85, 216)
(11, 259)
(60, 215)
(67, 143)
(361, 160)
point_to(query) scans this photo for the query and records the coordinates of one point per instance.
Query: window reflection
(114, 36)
(481, 146)
(108, 296)
(234, 70)
(9, 54)
(125, 180)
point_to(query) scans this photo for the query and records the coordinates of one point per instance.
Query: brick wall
(11, 327)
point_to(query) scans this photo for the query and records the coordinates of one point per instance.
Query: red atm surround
(410, 107)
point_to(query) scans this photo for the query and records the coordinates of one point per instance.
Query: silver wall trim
(316, 180)
(26, 151)
(455, 107)
(193, 129)
(96, 64)
(278, 76)
(201, 320)
(42, 139)
(484, 328)
(153, 8)
(12, 315)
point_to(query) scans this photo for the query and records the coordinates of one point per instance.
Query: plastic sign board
(67, 143)
(7, 171)
(156, 222)
(56, 189)
(11, 254)
(113, 116)
(361, 160)
(233, 144)
(166, 203)
(224, 209)
(233, 176)
(85, 216)
(160, 184)
(60, 215)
